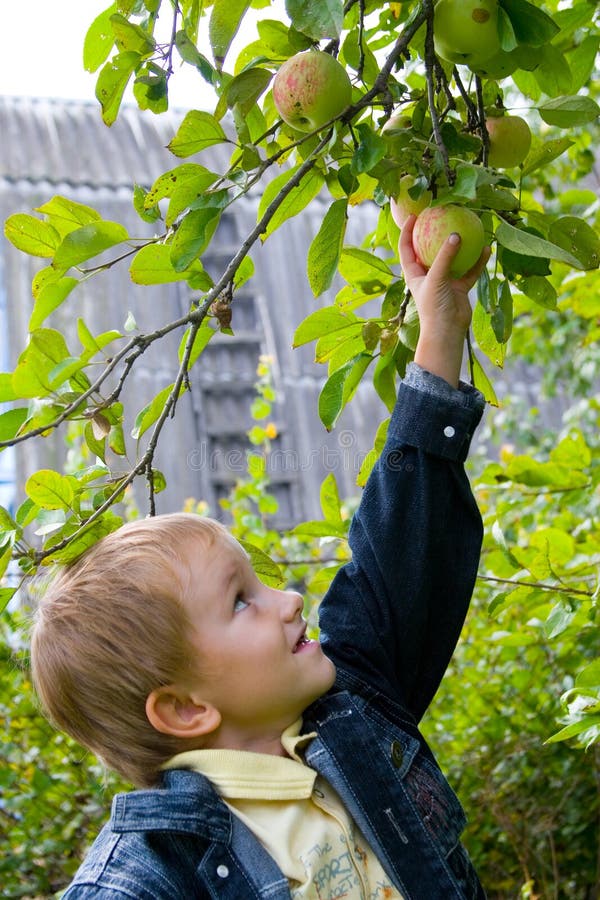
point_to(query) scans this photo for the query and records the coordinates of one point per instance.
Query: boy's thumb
(447, 252)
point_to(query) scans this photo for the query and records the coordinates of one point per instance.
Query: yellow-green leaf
(49, 489)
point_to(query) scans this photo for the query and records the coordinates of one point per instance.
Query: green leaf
(553, 73)
(578, 238)
(47, 348)
(540, 290)
(89, 241)
(50, 298)
(326, 247)
(371, 150)
(6, 594)
(374, 454)
(322, 321)
(293, 203)
(569, 112)
(198, 131)
(384, 380)
(574, 729)
(482, 382)
(66, 215)
(317, 20)
(526, 244)
(266, 569)
(112, 81)
(94, 344)
(203, 336)
(502, 315)
(590, 675)
(152, 411)
(11, 421)
(572, 451)
(150, 88)
(319, 528)
(543, 154)
(152, 265)
(244, 90)
(530, 24)
(31, 235)
(224, 22)
(244, 272)
(365, 271)
(193, 236)
(130, 36)
(49, 489)
(99, 40)
(190, 54)
(335, 393)
(7, 392)
(582, 60)
(89, 536)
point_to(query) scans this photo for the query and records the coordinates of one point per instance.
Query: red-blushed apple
(435, 225)
(466, 31)
(402, 205)
(510, 141)
(310, 89)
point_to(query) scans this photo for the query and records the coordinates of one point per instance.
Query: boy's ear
(172, 712)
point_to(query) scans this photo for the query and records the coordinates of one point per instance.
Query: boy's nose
(292, 605)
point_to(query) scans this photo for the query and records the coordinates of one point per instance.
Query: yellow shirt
(297, 817)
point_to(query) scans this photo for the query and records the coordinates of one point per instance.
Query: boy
(276, 766)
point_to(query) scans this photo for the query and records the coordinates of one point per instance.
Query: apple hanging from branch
(435, 225)
(403, 205)
(510, 141)
(466, 31)
(310, 89)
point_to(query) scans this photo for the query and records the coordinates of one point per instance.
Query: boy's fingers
(408, 260)
(473, 274)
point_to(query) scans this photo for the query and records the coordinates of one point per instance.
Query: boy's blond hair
(112, 627)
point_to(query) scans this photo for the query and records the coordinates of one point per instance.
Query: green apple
(498, 66)
(310, 89)
(510, 141)
(403, 205)
(396, 125)
(506, 62)
(466, 31)
(435, 225)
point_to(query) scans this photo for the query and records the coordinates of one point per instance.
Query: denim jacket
(390, 622)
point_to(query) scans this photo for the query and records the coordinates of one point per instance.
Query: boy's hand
(442, 303)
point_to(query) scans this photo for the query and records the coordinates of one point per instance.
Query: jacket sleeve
(393, 615)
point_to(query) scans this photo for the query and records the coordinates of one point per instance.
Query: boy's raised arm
(393, 615)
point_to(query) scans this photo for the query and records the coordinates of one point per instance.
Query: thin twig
(536, 584)
(430, 63)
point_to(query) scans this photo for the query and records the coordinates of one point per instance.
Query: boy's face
(255, 664)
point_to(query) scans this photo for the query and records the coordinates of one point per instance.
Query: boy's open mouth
(301, 640)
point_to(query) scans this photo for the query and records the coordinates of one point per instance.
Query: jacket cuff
(433, 416)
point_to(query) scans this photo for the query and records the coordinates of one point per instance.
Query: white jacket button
(222, 871)
(449, 431)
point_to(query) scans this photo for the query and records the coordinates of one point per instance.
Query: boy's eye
(239, 604)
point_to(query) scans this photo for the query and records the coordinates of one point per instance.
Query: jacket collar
(185, 802)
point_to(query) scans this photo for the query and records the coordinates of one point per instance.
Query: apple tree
(488, 106)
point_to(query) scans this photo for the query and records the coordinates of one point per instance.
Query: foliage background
(518, 718)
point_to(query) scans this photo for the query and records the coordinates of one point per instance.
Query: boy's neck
(263, 743)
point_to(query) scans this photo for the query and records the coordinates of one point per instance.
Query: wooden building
(53, 147)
